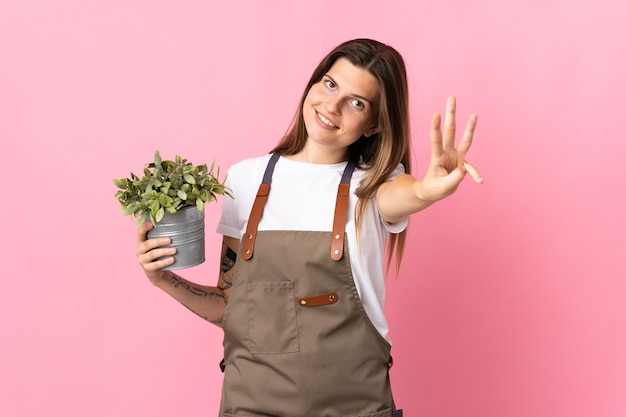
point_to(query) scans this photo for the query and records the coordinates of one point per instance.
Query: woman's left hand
(448, 165)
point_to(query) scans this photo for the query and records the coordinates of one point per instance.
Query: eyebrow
(360, 97)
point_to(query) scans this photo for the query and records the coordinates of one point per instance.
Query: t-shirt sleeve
(230, 224)
(400, 225)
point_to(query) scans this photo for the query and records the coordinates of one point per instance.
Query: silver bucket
(186, 229)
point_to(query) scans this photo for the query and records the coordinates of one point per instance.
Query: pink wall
(511, 299)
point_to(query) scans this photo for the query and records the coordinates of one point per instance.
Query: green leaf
(200, 204)
(157, 158)
(160, 214)
(182, 194)
(120, 183)
(189, 179)
(167, 166)
(154, 207)
(140, 220)
(132, 207)
(164, 200)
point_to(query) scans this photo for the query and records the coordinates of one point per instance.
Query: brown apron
(297, 340)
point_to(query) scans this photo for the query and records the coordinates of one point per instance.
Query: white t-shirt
(302, 197)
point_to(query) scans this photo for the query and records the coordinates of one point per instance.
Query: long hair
(381, 153)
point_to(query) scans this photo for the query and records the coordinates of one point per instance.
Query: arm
(405, 194)
(206, 301)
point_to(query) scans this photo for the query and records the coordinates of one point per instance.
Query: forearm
(207, 302)
(400, 197)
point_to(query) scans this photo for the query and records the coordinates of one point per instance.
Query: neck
(318, 155)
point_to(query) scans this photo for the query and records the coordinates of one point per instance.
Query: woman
(301, 287)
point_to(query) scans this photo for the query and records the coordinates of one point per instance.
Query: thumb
(453, 179)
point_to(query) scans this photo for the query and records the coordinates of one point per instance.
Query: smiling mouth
(327, 121)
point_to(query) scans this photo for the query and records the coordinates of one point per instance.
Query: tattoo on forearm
(181, 282)
(228, 262)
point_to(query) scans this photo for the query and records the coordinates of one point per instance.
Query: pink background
(511, 297)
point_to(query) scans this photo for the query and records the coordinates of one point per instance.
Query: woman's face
(341, 107)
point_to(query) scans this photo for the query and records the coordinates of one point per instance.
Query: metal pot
(186, 229)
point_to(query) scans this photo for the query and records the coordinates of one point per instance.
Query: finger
(451, 181)
(145, 245)
(142, 231)
(473, 172)
(436, 148)
(151, 244)
(468, 135)
(449, 131)
(157, 257)
(156, 265)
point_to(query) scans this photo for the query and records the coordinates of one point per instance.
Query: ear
(372, 131)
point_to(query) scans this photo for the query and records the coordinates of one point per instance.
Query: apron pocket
(272, 317)
(384, 413)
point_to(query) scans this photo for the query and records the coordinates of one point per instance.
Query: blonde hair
(381, 153)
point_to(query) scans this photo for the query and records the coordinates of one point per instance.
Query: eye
(329, 83)
(358, 104)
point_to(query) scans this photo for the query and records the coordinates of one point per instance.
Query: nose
(333, 105)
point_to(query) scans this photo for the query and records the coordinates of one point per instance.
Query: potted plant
(172, 195)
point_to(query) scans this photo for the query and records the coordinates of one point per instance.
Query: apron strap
(341, 213)
(339, 221)
(257, 209)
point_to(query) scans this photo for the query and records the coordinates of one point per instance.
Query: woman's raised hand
(448, 165)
